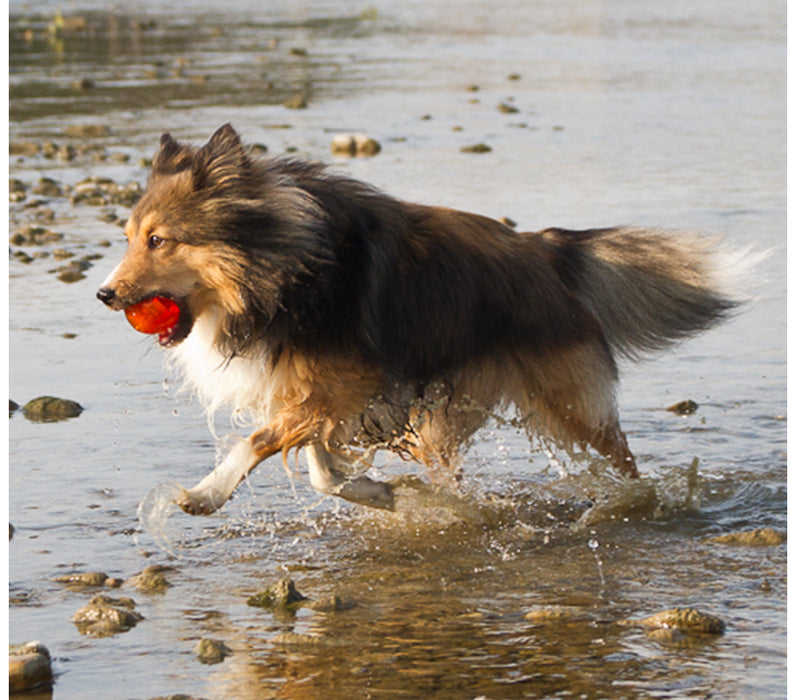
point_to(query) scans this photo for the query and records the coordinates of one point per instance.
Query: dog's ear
(171, 157)
(223, 160)
(225, 138)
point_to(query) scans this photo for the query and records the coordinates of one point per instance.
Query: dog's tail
(647, 288)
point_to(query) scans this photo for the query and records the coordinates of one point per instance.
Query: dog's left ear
(171, 157)
(221, 160)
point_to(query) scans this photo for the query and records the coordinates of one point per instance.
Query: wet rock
(22, 256)
(83, 84)
(44, 213)
(283, 595)
(102, 191)
(105, 616)
(17, 187)
(506, 108)
(151, 579)
(72, 272)
(88, 579)
(47, 409)
(87, 130)
(547, 614)
(296, 102)
(49, 149)
(683, 408)
(12, 406)
(332, 604)
(211, 651)
(29, 668)
(66, 153)
(476, 148)
(23, 148)
(762, 537)
(355, 145)
(83, 579)
(47, 187)
(686, 620)
(293, 639)
(34, 235)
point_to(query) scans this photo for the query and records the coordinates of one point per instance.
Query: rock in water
(48, 409)
(29, 667)
(105, 616)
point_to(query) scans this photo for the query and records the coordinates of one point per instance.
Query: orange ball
(153, 315)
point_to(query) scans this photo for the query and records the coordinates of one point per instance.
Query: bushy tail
(647, 288)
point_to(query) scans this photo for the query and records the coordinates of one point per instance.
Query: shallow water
(669, 114)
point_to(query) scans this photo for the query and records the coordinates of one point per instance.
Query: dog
(333, 317)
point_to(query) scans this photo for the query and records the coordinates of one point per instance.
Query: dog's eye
(154, 242)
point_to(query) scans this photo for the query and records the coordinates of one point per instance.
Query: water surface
(666, 114)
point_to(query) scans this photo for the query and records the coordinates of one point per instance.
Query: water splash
(594, 545)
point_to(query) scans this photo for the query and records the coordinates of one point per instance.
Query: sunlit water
(667, 114)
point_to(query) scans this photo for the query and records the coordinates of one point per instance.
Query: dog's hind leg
(326, 476)
(612, 444)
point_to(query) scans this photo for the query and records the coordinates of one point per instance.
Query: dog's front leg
(216, 488)
(212, 492)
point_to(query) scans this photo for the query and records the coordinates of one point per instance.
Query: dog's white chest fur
(245, 385)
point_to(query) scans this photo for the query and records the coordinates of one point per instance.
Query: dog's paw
(366, 492)
(194, 503)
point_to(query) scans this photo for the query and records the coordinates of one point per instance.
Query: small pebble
(476, 148)
(211, 651)
(296, 102)
(506, 108)
(762, 537)
(151, 579)
(684, 408)
(283, 594)
(355, 145)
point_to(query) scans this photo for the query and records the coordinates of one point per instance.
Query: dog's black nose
(106, 295)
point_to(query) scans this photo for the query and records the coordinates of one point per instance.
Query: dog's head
(177, 233)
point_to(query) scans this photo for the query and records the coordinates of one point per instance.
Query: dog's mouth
(177, 333)
(166, 317)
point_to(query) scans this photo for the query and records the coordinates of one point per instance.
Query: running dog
(339, 319)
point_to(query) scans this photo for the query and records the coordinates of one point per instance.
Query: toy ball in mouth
(154, 315)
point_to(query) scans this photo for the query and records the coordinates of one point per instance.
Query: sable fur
(335, 315)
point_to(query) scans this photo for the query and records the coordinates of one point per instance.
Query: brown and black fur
(383, 323)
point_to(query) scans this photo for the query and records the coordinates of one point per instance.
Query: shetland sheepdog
(334, 317)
